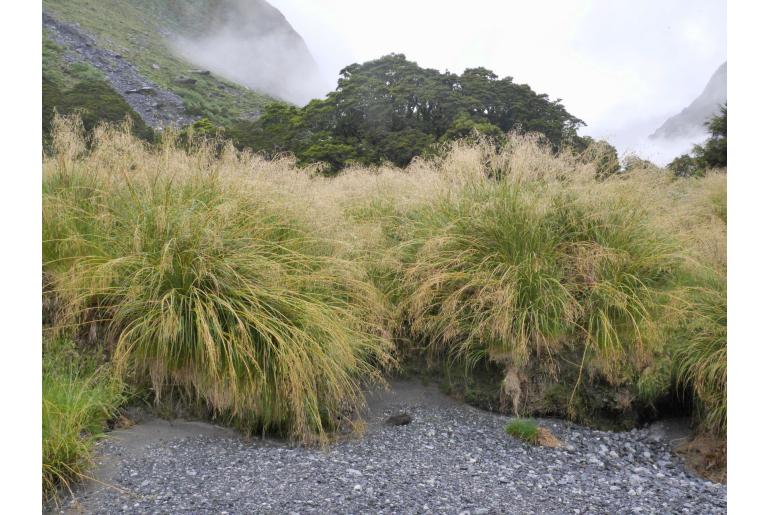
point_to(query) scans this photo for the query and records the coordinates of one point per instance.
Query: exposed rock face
(691, 119)
(250, 42)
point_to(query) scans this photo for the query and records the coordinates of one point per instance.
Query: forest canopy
(390, 109)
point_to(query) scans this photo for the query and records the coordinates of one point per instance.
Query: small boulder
(186, 81)
(201, 72)
(401, 419)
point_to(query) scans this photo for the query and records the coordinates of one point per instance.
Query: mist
(622, 67)
(632, 136)
(250, 42)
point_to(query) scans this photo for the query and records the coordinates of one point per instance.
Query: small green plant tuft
(524, 429)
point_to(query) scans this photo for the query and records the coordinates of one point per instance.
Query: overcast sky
(623, 66)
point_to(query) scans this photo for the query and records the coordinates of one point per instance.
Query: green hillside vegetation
(267, 294)
(387, 110)
(135, 30)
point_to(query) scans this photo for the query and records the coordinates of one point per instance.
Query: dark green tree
(684, 166)
(713, 153)
(390, 109)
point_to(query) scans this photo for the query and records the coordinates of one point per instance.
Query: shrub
(711, 154)
(524, 429)
(93, 100)
(206, 288)
(684, 166)
(604, 157)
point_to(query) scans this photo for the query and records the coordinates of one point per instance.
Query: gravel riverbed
(452, 458)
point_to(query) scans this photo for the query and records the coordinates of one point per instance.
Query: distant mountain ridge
(690, 121)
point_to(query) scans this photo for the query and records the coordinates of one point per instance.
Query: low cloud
(251, 43)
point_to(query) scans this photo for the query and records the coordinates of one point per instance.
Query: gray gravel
(451, 458)
(157, 107)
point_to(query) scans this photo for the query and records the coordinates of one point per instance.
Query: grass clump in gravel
(79, 398)
(207, 289)
(524, 429)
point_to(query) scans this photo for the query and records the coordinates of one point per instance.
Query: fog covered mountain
(690, 121)
(251, 42)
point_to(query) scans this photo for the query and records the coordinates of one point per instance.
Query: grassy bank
(268, 293)
(79, 397)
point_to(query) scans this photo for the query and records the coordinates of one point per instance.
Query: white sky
(622, 66)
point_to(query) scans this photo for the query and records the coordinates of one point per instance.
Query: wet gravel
(451, 458)
(156, 106)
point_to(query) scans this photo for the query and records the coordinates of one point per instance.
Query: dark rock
(201, 72)
(401, 419)
(187, 81)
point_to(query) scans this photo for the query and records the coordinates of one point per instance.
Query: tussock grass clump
(524, 429)
(698, 330)
(206, 287)
(506, 273)
(78, 399)
(523, 254)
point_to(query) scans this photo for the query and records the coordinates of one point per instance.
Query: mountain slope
(71, 47)
(142, 42)
(251, 43)
(691, 119)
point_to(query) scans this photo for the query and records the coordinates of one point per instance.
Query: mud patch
(546, 438)
(705, 455)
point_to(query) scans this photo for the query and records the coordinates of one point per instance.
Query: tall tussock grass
(700, 357)
(269, 292)
(205, 287)
(506, 274)
(525, 257)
